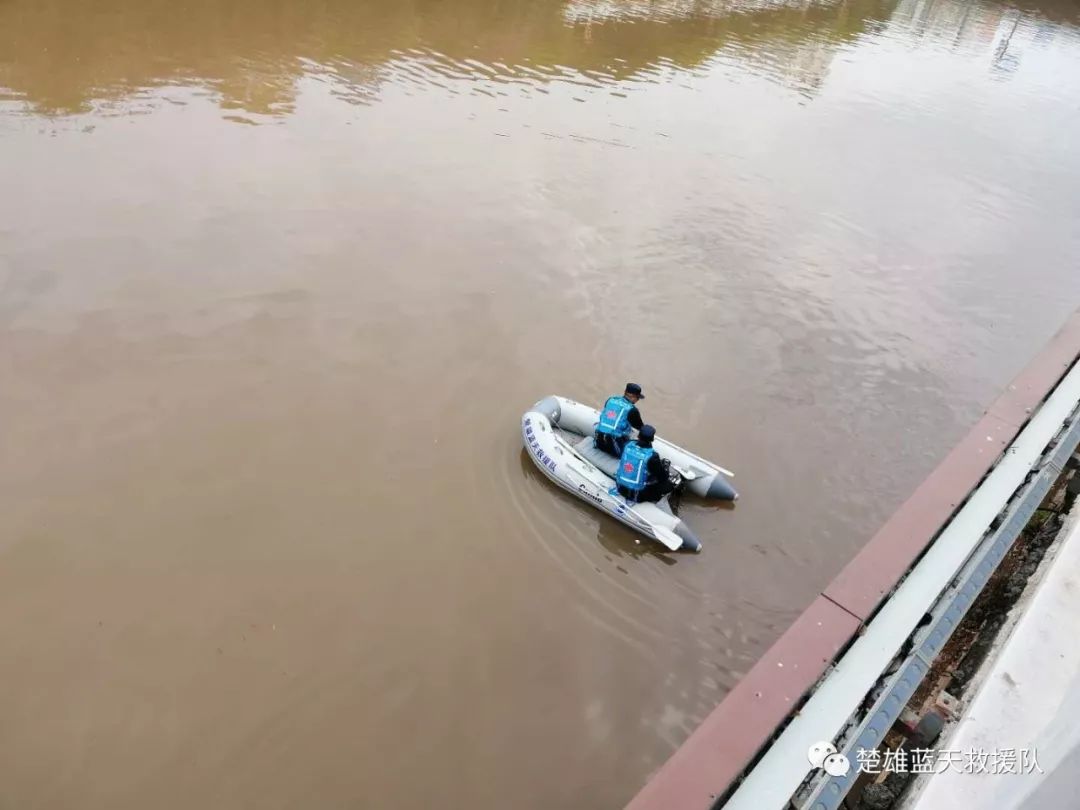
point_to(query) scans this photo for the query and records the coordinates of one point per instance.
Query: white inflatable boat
(558, 435)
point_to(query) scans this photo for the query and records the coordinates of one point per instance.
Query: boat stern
(690, 540)
(720, 489)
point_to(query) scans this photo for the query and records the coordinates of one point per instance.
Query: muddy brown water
(278, 278)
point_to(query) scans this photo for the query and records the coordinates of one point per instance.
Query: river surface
(278, 279)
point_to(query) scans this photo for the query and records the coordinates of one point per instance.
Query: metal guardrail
(837, 700)
(827, 792)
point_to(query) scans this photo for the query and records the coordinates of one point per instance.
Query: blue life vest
(633, 467)
(613, 417)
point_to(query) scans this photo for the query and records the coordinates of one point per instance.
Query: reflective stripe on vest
(613, 417)
(633, 467)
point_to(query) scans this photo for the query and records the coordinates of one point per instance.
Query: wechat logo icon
(824, 755)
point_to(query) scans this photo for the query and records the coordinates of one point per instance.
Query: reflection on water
(269, 538)
(61, 55)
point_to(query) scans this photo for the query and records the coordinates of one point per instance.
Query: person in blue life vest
(617, 416)
(642, 475)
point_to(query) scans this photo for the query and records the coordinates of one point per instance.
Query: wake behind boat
(558, 434)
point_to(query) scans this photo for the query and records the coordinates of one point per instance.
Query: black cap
(634, 388)
(647, 433)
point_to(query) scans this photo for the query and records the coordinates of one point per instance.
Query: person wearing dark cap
(642, 475)
(617, 417)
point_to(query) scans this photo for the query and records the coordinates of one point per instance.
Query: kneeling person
(641, 476)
